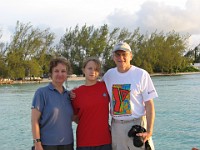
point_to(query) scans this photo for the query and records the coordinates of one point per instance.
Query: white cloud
(150, 15)
(157, 16)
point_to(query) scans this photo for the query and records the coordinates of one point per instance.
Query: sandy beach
(46, 80)
(75, 78)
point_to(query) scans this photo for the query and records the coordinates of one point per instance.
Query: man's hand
(145, 135)
(72, 94)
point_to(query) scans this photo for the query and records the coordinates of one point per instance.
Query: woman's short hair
(60, 60)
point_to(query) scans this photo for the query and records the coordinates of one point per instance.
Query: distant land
(74, 78)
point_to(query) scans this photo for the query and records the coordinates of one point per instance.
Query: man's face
(122, 59)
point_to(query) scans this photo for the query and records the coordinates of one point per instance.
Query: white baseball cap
(122, 46)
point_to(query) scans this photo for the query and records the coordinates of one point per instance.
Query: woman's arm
(35, 116)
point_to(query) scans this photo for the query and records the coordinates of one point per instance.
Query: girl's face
(90, 71)
(59, 74)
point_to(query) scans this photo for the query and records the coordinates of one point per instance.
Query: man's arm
(150, 115)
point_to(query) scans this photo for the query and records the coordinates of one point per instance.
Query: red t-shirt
(91, 104)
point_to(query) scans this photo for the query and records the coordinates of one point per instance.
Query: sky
(182, 16)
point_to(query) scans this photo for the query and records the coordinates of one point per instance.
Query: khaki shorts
(120, 139)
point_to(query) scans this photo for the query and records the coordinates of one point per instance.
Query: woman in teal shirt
(52, 111)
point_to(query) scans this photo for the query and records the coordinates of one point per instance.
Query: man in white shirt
(131, 93)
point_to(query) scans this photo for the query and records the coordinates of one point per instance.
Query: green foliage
(163, 53)
(77, 44)
(189, 69)
(194, 54)
(30, 50)
(3, 69)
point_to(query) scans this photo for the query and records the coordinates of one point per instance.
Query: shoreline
(46, 80)
(173, 74)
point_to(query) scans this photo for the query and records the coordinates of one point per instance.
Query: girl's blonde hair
(95, 60)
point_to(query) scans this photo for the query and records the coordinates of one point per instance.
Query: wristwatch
(36, 140)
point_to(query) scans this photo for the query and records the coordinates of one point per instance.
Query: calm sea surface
(177, 124)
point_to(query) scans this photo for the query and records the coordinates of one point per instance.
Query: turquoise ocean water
(177, 124)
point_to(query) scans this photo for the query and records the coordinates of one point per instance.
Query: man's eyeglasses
(125, 54)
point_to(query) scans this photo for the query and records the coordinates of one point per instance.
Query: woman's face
(59, 74)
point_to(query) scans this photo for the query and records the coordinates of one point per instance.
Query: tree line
(30, 49)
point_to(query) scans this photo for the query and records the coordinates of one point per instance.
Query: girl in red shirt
(91, 107)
